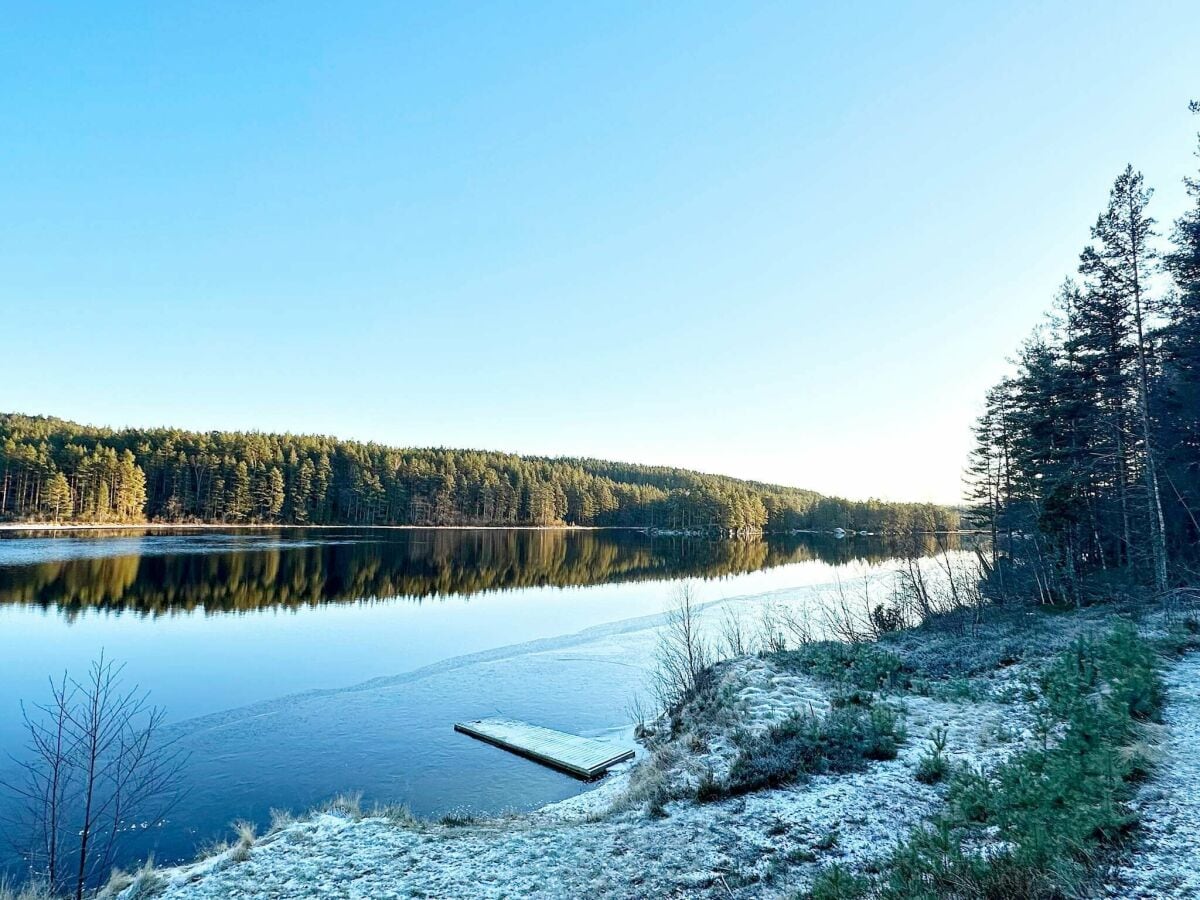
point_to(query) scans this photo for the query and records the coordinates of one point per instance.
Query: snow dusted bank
(709, 810)
(643, 832)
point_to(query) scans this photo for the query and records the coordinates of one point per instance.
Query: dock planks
(582, 757)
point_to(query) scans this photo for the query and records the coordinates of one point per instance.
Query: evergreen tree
(1119, 266)
(58, 500)
(1074, 450)
(130, 489)
(238, 507)
(1180, 388)
(274, 495)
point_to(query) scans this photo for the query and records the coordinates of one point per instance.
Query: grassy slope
(1038, 824)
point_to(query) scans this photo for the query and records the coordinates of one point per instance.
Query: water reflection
(159, 572)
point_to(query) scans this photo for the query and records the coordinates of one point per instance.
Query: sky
(784, 241)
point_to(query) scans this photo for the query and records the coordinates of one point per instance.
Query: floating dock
(582, 757)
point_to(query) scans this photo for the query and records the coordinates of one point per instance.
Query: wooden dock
(582, 757)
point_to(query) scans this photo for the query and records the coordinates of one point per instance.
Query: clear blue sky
(786, 241)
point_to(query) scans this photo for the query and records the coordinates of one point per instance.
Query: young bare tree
(683, 654)
(912, 584)
(796, 624)
(771, 624)
(843, 620)
(735, 637)
(96, 763)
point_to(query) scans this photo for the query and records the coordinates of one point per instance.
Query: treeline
(1087, 459)
(51, 469)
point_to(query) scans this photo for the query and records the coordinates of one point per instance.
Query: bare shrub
(948, 598)
(848, 617)
(772, 622)
(96, 760)
(735, 637)
(1181, 606)
(797, 624)
(635, 709)
(683, 655)
(912, 586)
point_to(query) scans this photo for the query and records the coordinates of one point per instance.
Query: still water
(294, 664)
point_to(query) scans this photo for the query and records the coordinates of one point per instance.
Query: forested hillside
(1088, 457)
(56, 470)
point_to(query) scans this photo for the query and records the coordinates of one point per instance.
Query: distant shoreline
(260, 526)
(263, 526)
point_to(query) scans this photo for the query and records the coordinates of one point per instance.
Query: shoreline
(267, 526)
(263, 526)
(647, 829)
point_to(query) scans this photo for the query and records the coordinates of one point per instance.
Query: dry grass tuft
(146, 882)
(650, 783)
(348, 805)
(396, 813)
(26, 892)
(247, 835)
(280, 819)
(118, 880)
(211, 848)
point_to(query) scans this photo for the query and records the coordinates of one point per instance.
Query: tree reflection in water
(290, 568)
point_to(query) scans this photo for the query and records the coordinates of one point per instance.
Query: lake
(298, 663)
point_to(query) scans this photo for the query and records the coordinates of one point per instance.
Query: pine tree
(301, 495)
(274, 495)
(1118, 268)
(1180, 389)
(239, 504)
(57, 499)
(130, 493)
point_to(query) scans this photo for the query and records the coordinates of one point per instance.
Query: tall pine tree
(1118, 267)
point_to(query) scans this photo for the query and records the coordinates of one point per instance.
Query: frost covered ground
(618, 841)
(1166, 859)
(609, 843)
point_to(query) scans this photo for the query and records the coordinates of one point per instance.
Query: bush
(886, 619)
(836, 883)
(708, 790)
(863, 667)
(798, 855)
(933, 765)
(886, 733)
(840, 741)
(932, 768)
(1053, 808)
(828, 840)
(460, 819)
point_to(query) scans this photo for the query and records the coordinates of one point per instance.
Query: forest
(58, 471)
(1087, 459)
